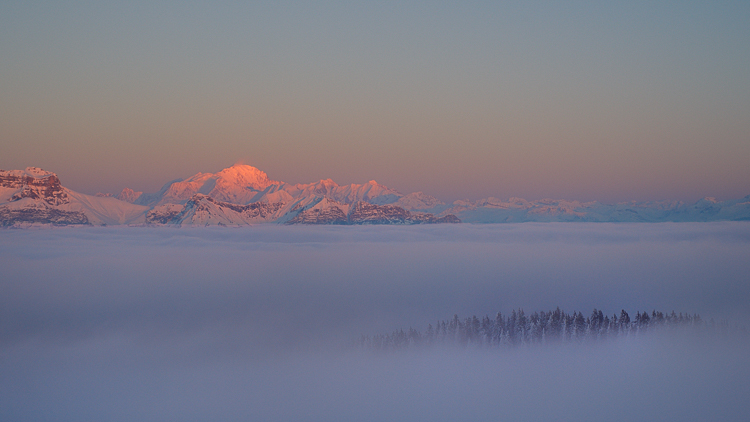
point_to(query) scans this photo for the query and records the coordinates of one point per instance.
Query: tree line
(518, 328)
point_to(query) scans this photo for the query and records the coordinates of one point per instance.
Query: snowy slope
(371, 192)
(129, 195)
(202, 210)
(238, 184)
(493, 210)
(35, 196)
(418, 201)
(243, 184)
(326, 211)
(106, 210)
(242, 194)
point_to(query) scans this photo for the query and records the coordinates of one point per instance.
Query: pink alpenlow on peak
(242, 194)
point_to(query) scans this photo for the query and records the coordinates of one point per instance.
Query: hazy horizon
(668, 199)
(134, 313)
(611, 102)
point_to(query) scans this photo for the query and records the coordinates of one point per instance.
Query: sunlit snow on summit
(244, 195)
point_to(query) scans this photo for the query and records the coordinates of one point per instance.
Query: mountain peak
(37, 172)
(245, 176)
(243, 194)
(129, 195)
(327, 182)
(34, 172)
(33, 183)
(236, 184)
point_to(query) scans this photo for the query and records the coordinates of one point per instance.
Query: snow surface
(244, 184)
(105, 210)
(34, 172)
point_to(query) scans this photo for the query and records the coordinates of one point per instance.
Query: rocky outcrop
(360, 213)
(34, 183)
(129, 195)
(243, 195)
(364, 213)
(322, 212)
(450, 219)
(35, 196)
(427, 218)
(204, 210)
(259, 210)
(31, 215)
(317, 216)
(165, 214)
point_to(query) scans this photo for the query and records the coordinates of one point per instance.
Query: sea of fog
(257, 323)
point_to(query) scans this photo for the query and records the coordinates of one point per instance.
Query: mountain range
(243, 195)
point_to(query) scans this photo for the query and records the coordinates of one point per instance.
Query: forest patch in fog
(254, 323)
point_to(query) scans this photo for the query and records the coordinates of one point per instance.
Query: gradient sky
(610, 101)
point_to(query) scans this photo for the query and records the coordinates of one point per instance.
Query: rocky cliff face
(427, 218)
(165, 214)
(331, 212)
(243, 195)
(36, 196)
(322, 212)
(34, 183)
(29, 215)
(129, 195)
(202, 207)
(364, 213)
(239, 195)
(204, 210)
(32, 196)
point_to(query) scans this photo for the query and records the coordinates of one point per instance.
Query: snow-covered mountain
(327, 211)
(242, 195)
(243, 184)
(238, 195)
(235, 196)
(36, 196)
(203, 210)
(238, 184)
(129, 195)
(516, 210)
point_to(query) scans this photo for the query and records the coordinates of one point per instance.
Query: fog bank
(253, 323)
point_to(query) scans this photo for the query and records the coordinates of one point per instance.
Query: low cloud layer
(252, 323)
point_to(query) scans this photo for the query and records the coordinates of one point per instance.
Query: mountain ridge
(244, 195)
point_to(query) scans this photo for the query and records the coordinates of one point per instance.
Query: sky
(195, 324)
(610, 101)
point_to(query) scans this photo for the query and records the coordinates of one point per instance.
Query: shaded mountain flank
(243, 195)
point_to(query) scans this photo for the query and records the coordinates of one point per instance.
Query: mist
(258, 323)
